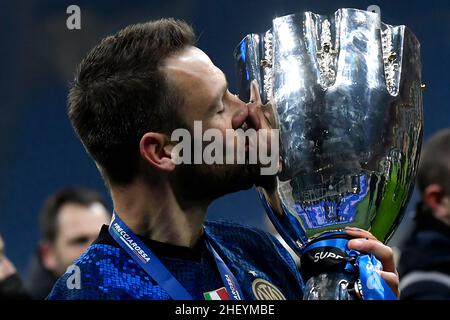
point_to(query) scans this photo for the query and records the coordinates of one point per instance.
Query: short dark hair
(434, 165)
(53, 204)
(120, 93)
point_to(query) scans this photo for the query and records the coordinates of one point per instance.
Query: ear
(47, 255)
(155, 149)
(433, 197)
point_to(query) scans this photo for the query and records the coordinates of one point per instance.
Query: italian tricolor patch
(219, 294)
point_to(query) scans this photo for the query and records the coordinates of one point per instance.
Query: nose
(240, 115)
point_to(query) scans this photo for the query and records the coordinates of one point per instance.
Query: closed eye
(82, 240)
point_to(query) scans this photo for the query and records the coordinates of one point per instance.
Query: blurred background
(39, 151)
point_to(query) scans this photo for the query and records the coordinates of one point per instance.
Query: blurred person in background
(425, 255)
(11, 286)
(70, 221)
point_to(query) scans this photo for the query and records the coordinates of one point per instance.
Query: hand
(365, 242)
(261, 116)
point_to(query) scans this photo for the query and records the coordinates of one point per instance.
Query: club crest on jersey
(264, 290)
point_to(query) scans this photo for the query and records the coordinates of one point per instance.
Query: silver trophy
(346, 93)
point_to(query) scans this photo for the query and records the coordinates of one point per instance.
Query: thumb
(254, 92)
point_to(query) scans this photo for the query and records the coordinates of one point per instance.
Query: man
(70, 222)
(11, 286)
(131, 92)
(425, 255)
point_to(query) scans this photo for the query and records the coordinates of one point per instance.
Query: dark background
(39, 151)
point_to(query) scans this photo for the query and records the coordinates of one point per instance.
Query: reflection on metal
(267, 63)
(346, 92)
(326, 57)
(389, 57)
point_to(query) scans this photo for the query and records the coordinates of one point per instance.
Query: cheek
(73, 253)
(446, 203)
(221, 122)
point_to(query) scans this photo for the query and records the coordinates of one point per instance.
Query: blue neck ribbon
(148, 261)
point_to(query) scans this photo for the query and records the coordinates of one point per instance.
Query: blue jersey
(262, 267)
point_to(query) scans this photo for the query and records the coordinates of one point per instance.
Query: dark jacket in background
(40, 281)
(424, 265)
(12, 288)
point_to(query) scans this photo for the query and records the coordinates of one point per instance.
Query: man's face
(77, 227)
(446, 209)
(207, 99)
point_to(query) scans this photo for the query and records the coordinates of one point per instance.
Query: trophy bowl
(346, 94)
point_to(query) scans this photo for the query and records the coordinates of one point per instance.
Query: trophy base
(331, 286)
(326, 268)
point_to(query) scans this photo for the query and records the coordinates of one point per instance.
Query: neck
(155, 213)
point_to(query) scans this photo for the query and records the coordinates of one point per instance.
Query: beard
(209, 182)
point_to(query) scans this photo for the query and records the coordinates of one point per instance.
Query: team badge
(264, 290)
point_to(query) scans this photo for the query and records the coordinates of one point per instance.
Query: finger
(253, 116)
(379, 250)
(269, 114)
(239, 118)
(254, 93)
(359, 233)
(392, 280)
